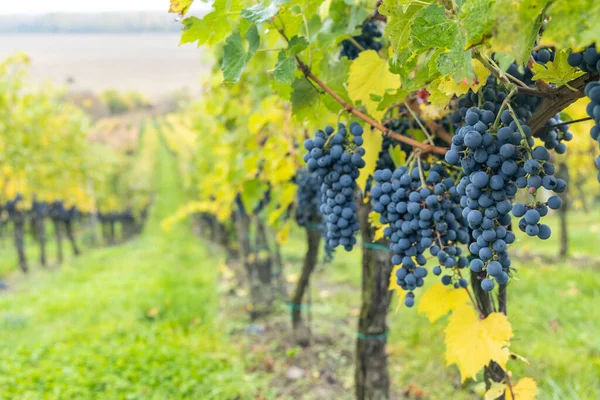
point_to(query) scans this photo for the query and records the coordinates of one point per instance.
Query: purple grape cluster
(421, 207)
(592, 91)
(335, 159)
(496, 163)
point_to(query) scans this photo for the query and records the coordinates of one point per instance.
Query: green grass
(137, 321)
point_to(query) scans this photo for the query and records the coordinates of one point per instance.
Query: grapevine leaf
(370, 75)
(456, 61)
(335, 76)
(503, 60)
(306, 101)
(180, 6)
(262, 12)
(477, 19)
(397, 156)
(285, 69)
(431, 28)
(442, 90)
(570, 24)
(236, 55)
(525, 389)
(297, 45)
(251, 193)
(558, 72)
(472, 343)
(400, 19)
(438, 300)
(212, 29)
(372, 146)
(495, 391)
(282, 235)
(517, 26)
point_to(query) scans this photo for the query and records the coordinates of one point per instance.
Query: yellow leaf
(369, 79)
(496, 390)
(439, 299)
(379, 233)
(525, 389)
(397, 155)
(372, 145)
(472, 343)
(447, 87)
(282, 235)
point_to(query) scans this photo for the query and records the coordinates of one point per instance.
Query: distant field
(152, 63)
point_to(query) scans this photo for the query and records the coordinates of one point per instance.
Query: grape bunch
(496, 163)
(553, 137)
(307, 207)
(587, 60)
(592, 91)
(335, 159)
(367, 40)
(421, 213)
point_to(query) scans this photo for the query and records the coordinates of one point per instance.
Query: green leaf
(335, 75)
(477, 20)
(307, 103)
(236, 56)
(431, 28)
(517, 26)
(558, 72)
(573, 23)
(263, 11)
(456, 62)
(215, 26)
(296, 45)
(399, 24)
(212, 29)
(285, 69)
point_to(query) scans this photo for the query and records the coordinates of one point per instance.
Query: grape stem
(416, 118)
(522, 87)
(509, 384)
(571, 122)
(503, 106)
(355, 43)
(421, 174)
(475, 304)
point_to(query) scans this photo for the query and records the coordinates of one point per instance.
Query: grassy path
(137, 321)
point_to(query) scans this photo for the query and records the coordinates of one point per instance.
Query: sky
(45, 6)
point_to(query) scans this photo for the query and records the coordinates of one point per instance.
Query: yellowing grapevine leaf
(397, 155)
(282, 235)
(369, 79)
(439, 299)
(372, 145)
(472, 343)
(180, 6)
(443, 89)
(525, 389)
(558, 72)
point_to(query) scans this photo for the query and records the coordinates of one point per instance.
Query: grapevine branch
(425, 148)
(560, 98)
